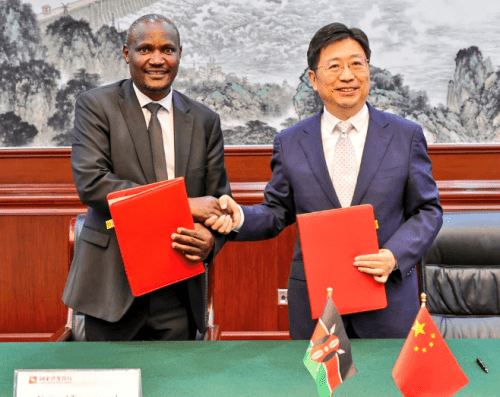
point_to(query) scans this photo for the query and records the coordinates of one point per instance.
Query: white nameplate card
(77, 383)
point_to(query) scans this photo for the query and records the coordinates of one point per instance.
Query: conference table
(242, 368)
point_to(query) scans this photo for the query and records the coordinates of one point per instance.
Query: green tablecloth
(242, 368)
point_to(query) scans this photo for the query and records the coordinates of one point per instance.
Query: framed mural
(434, 61)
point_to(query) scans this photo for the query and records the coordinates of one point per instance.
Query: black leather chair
(74, 330)
(461, 276)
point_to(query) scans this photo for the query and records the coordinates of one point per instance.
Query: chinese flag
(426, 366)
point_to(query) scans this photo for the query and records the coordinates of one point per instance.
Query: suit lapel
(132, 113)
(183, 133)
(377, 141)
(312, 146)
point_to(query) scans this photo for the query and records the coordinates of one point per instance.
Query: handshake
(221, 215)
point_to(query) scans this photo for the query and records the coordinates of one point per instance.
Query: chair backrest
(77, 319)
(461, 275)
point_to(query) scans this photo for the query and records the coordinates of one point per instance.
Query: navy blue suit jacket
(394, 177)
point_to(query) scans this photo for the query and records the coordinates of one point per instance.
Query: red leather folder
(330, 241)
(144, 219)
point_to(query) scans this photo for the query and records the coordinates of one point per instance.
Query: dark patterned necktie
(345, 170)
(156, 139)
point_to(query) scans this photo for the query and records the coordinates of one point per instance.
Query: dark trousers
(160, 315)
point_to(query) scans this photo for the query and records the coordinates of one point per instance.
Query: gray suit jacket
(112, 152)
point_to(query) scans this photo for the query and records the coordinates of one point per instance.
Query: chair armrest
(63, 334)
(212, 333)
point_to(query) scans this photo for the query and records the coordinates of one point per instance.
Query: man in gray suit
(115, 148)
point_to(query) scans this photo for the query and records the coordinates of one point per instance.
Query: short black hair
(150, 18)
(330, 34)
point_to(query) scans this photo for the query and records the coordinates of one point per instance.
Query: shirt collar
(358, 120)
(144, 100)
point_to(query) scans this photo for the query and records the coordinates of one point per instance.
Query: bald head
(149, 18)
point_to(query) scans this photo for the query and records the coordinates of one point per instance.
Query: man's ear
(312, 79)
(125, 53)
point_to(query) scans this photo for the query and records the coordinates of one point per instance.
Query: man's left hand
(380, 265)
(195, 244)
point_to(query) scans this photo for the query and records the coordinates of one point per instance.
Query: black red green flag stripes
(328, 357)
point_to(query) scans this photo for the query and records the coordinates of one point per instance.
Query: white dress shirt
(166, 117)
(329, 136)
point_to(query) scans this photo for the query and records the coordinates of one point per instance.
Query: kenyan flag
(328, 357)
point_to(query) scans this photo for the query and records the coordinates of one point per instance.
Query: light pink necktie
(344, 166)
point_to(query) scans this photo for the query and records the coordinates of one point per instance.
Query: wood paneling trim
(247, 163)
(38, 196)
(24, 153)
(62, 199)
(465, 162)
(250, 150)
(248, 193)
(470, 195)
(32, 199)
(31, 166)
(20, 190)
(43, 212)
(464, 195)
(35, 337)
(469, 185)
(459, 148)
(450, 162)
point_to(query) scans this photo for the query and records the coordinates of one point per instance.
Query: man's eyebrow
(339, 58)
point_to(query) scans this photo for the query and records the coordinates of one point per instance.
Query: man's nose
(345, 73)
(157, 58)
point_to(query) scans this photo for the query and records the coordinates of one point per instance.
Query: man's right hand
(203, 208)
(229, 206)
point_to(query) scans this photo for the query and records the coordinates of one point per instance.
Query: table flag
(328, 357)
(426, 366)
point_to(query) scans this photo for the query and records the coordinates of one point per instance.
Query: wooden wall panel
(450, 162)
(465, 162)
(245, 286)
(35, 166)
(247, 278)
(33, 266)
(37, 200)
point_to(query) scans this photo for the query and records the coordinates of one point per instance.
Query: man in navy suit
(376, 158)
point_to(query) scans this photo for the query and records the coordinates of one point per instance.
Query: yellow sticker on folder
(110, 224)
(376, 224)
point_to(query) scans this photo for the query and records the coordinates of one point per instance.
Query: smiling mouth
(156, 72)
(347, 90)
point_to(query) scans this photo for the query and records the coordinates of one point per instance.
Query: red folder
(144, 219)
(330, 241)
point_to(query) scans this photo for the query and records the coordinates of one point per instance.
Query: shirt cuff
(242, 214)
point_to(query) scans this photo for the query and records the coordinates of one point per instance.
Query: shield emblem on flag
(328, 357)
